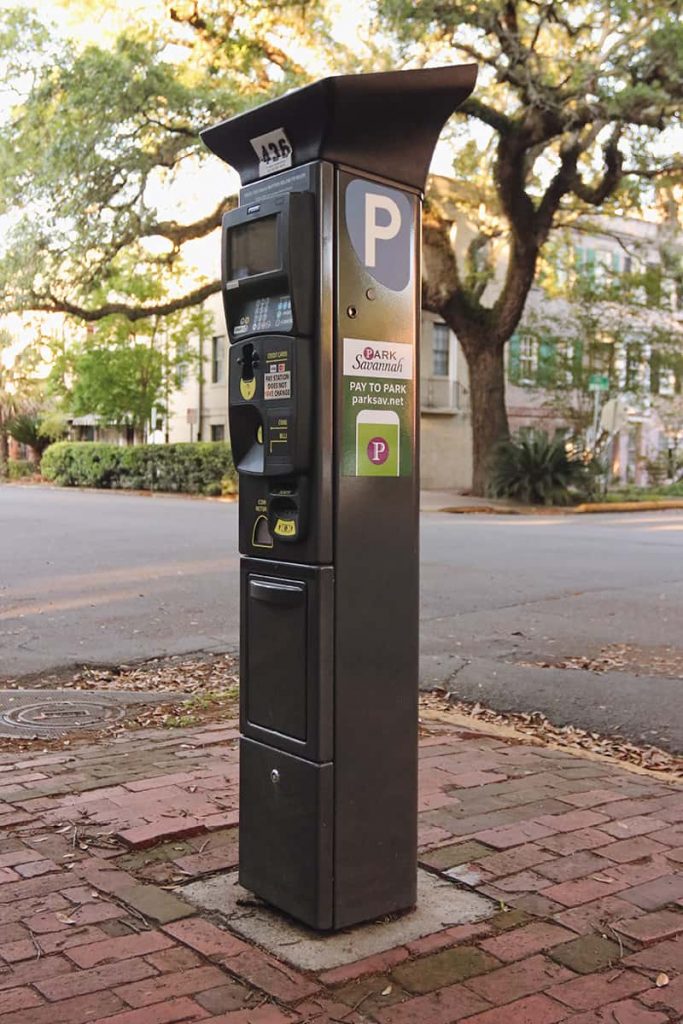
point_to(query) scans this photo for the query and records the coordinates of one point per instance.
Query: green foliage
(197, 468)
(229, 485)
(124, 371)
(19, 469)
(26, 429)
(633, 493)
(575, 109)
(567, 116)
(18, 390)
(97, 135)
(536, 471)
(121, 383)
(609, 317)
(52, 425)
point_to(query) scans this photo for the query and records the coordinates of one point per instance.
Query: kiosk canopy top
(385, 123)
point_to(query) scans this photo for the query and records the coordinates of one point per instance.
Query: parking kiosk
(321, 288)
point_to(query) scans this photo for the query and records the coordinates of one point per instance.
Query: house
(607, 366)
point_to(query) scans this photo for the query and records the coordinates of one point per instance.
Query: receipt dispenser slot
(286, 657)
(276, 656)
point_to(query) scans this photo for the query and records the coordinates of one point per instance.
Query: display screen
(253, 247)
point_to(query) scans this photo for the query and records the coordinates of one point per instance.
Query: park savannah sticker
(378, 408)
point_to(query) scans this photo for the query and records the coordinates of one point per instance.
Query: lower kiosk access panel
(287, 772)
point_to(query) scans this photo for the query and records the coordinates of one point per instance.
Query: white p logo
(380, 225)
(379, 449)
(375, 232)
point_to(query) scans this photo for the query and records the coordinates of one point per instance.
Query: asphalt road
(510, 604)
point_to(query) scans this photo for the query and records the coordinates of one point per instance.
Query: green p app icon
(377, 443)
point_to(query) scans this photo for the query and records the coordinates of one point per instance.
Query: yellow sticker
(285, 528)
(248, 389)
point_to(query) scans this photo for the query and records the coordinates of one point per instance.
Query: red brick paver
(583, 860)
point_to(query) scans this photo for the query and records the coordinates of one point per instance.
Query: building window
(585, 264)
(217, 432)
(528, 359)
(217, 360)
(441, 344)
(634, 361)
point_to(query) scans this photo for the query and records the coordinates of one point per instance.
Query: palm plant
(537, 471)
(17, 392)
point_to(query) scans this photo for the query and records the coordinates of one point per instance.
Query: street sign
(614, 416)
(598, 382)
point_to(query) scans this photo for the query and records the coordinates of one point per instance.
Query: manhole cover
(30, 713)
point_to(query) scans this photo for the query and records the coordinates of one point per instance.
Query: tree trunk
(4, 451)
(486, 366)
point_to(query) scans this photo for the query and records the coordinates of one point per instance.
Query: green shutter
(513, 359)
(655, 371)
(577, 364)
(547, 360)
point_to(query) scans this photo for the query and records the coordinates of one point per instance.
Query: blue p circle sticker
(379, 222)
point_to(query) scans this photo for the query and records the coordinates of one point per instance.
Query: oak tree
(99, 146)
(573, 104)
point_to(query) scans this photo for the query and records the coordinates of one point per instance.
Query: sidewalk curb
(587, 508)
(509, 732)
(123, 491)
(629, 506)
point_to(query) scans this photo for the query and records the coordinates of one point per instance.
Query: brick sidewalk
(583, 857)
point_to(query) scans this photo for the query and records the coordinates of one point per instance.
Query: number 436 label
(274, 152)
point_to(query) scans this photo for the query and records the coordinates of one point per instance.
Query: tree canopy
(571, 114)
(124, 372)
(101, 147)
(572, 100)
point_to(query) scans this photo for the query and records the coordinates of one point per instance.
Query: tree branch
(509, 174)
(561, 183)
(653, 172)
(494, 118)
(51, 304)
(181, 233)
(596, 194)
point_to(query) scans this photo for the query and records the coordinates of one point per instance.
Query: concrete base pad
(440, 904)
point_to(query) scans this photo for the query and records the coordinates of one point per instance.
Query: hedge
(203, 467)
(18, 469)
